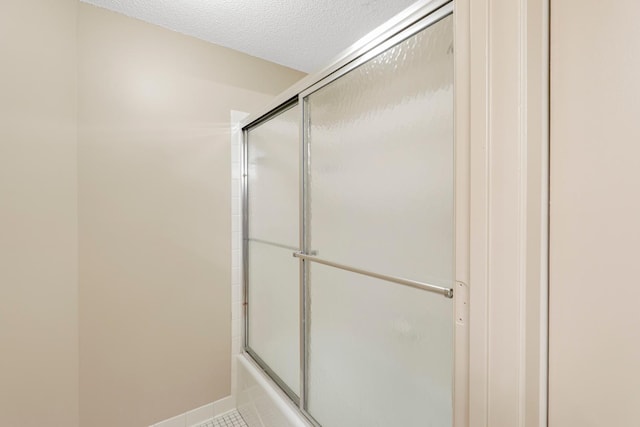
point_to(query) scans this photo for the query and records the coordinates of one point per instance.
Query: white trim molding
(462, 181)
(508, 200)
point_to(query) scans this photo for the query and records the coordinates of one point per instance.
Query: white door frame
(502, 106)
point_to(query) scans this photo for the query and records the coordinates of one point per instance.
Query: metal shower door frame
(424, 15)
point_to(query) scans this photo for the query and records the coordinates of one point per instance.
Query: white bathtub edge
(271, 400)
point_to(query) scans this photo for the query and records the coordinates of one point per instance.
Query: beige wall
(595, 212)
(154, 203)
(38, 219)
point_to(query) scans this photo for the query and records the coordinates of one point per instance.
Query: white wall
(595, 211)
(38, 216)
(155, 215)
(146, 333)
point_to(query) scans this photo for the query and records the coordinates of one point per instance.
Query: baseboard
(200, 415)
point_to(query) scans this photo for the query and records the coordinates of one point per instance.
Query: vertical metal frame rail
(303, 247)
(245, 237)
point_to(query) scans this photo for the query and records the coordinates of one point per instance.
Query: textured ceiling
(301, 34)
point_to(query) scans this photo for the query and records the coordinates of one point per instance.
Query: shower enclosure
(349, 233)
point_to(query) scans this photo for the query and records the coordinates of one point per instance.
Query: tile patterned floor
(230, 419)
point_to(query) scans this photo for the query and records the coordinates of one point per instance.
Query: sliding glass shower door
(349, 237)
(380, 194)
(271, 234)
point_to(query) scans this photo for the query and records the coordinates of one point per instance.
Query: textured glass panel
(274, 332)
(380, 353)
(273, 189)
(273, 153)
(381, 147)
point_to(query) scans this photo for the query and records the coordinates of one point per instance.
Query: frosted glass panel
(273, 207)
(381, 155)
(274, 333)
(273, 154)
(380, 353)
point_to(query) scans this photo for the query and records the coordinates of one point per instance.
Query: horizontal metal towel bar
(447, 292)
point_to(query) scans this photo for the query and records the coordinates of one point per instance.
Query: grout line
(230, 419)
